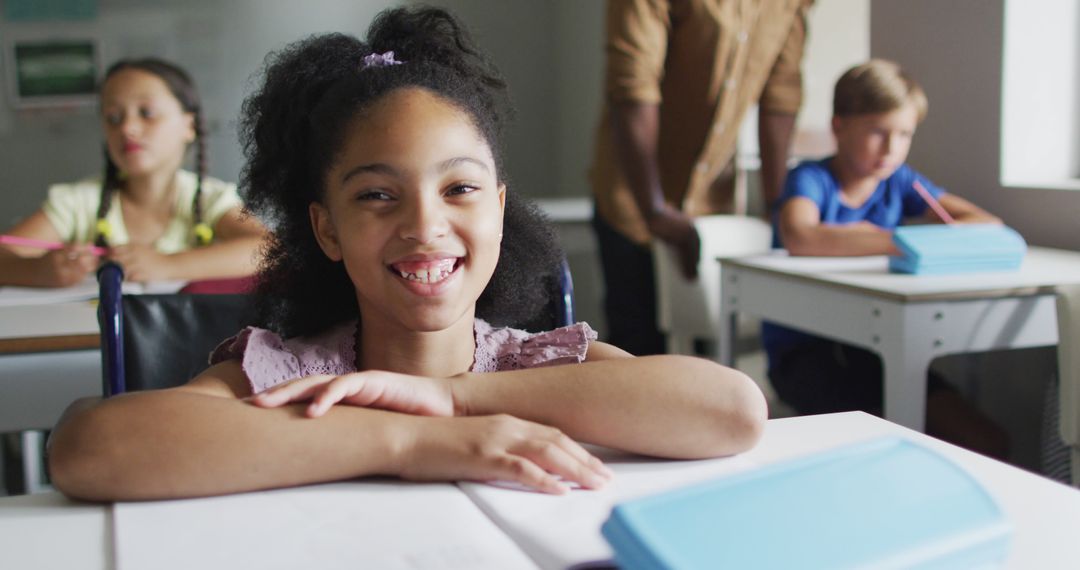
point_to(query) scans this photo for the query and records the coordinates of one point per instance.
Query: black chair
(161, 341)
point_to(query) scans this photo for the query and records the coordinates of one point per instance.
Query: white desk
(48, 358)
(275, 529)
(908, 320)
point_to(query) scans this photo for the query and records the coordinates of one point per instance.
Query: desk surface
(274, 529)
(1042, 269)
(69, 325)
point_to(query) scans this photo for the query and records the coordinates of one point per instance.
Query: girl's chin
(434, 322)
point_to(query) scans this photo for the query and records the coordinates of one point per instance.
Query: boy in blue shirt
(849, 204)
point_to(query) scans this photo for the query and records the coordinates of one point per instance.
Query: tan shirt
(705, 62)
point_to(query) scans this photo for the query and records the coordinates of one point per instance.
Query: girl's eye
(113, 118)
(461, 189)
(146, 113)
(376, 195)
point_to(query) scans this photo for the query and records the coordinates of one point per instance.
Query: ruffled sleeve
(262, 355)
(512, 349)
(268, 360)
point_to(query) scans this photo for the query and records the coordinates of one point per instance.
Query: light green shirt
(72, 209)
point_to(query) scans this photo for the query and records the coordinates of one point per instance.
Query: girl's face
(875, 144)
(414, 207)
(146, 128)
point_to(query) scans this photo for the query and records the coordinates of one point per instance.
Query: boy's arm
(202, 439)
(963, 211)
(803, 233)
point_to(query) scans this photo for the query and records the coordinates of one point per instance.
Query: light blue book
(885, 503)
(957, 248)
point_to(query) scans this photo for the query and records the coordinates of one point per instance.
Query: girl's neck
(438, 354)
(152, 190)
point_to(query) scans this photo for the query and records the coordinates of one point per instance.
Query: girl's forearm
(237, 257)
(20, 271)
(666, 406)
(173, 443)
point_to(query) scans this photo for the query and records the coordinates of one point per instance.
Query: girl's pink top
(269, 360)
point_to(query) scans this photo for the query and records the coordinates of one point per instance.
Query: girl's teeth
(431, 275)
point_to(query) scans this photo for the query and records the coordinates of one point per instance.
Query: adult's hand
(676, 229)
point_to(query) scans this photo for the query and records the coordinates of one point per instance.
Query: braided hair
(294, 125)
(182, 87)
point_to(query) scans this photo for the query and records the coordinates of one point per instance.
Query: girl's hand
(404, 393)
(141, 263)
(67, 266)
(499, 448)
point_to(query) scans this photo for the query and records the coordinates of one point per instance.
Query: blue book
(884, 503)
(957, 248)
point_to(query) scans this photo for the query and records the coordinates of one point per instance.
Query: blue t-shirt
(893, 200)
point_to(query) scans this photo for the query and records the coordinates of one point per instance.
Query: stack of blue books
(957, 248)
(884, 503)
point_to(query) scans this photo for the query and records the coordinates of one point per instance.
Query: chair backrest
(1068, 396)
(161, 341)
(691, 309)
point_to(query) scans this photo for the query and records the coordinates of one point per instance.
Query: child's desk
(390, 524)
(48, 327)
(908, 319)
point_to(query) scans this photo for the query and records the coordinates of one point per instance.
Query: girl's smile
(427, 275)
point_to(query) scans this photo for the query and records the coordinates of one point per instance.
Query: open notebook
(392, 524)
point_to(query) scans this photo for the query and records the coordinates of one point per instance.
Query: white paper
(558, 531)
(11, 296)
(381, 524)
(87, 289)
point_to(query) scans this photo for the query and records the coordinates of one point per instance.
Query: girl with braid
(158, 221)
(397, 252)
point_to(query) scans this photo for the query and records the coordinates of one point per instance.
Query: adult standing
(679, 78)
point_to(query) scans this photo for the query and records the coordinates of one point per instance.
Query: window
(1040, 143)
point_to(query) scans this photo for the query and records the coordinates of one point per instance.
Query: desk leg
(906, 339)
(905, 389)
(33, 475)
(729, 331)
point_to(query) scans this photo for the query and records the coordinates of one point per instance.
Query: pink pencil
(934, 204)
(42, 244)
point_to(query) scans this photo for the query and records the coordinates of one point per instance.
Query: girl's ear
(502, 197)
(836, 124)
(324, 230)
(189, 136)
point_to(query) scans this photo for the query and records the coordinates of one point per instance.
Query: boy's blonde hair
(877, 86)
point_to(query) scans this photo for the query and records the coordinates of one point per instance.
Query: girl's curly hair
(293, 126)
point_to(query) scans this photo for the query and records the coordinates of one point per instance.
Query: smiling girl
(397, 248)
(158, 221)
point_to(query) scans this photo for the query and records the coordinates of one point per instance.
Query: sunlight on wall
(1040, 143)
